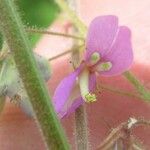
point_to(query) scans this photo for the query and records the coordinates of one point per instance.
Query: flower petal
(71, 107)
(121, 53)
(76, 103)
(101, 34)
(64, 89)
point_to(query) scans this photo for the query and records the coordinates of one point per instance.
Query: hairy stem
(40, 31)
(16, 38)
(114, 135)
(81, 123)
(122, 131)
(59, 55)
(145, 94)
(117, 91)
(81, 129)
(65, 53)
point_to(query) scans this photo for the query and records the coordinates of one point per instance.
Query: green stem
(72, 16)
(40, 31)
(118, 91)
(145, 94)
(16, 38)
(81, 123)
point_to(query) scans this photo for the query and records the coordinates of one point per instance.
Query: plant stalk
(81, 124)
(144, 93)
(81, 129)
(16, 38)
(40, 31)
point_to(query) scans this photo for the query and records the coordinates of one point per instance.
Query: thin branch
(117, 91)
(141, 122)
(40, 31)
(60, 55)
(136, 147)
(64, 53)
(144, 93)
(112, 138)
(122, 132)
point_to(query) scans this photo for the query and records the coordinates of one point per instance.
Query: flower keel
(84, 87)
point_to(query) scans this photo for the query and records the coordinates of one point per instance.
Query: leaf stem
(65, 53)
(60, 55)
(118, 91)
(40, 31)
(16, 38)
(144, 93)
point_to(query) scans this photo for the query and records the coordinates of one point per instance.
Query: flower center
(95, 57)
(84, 87)
(105, 66)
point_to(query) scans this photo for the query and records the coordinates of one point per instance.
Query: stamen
(95, 57)
(90, 97)
(84, 87)
(104, 66)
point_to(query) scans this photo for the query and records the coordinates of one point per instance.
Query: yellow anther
(90, 97)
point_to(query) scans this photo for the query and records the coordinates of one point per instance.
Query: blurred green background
(37, 13)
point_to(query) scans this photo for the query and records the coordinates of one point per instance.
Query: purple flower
(108, 52)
